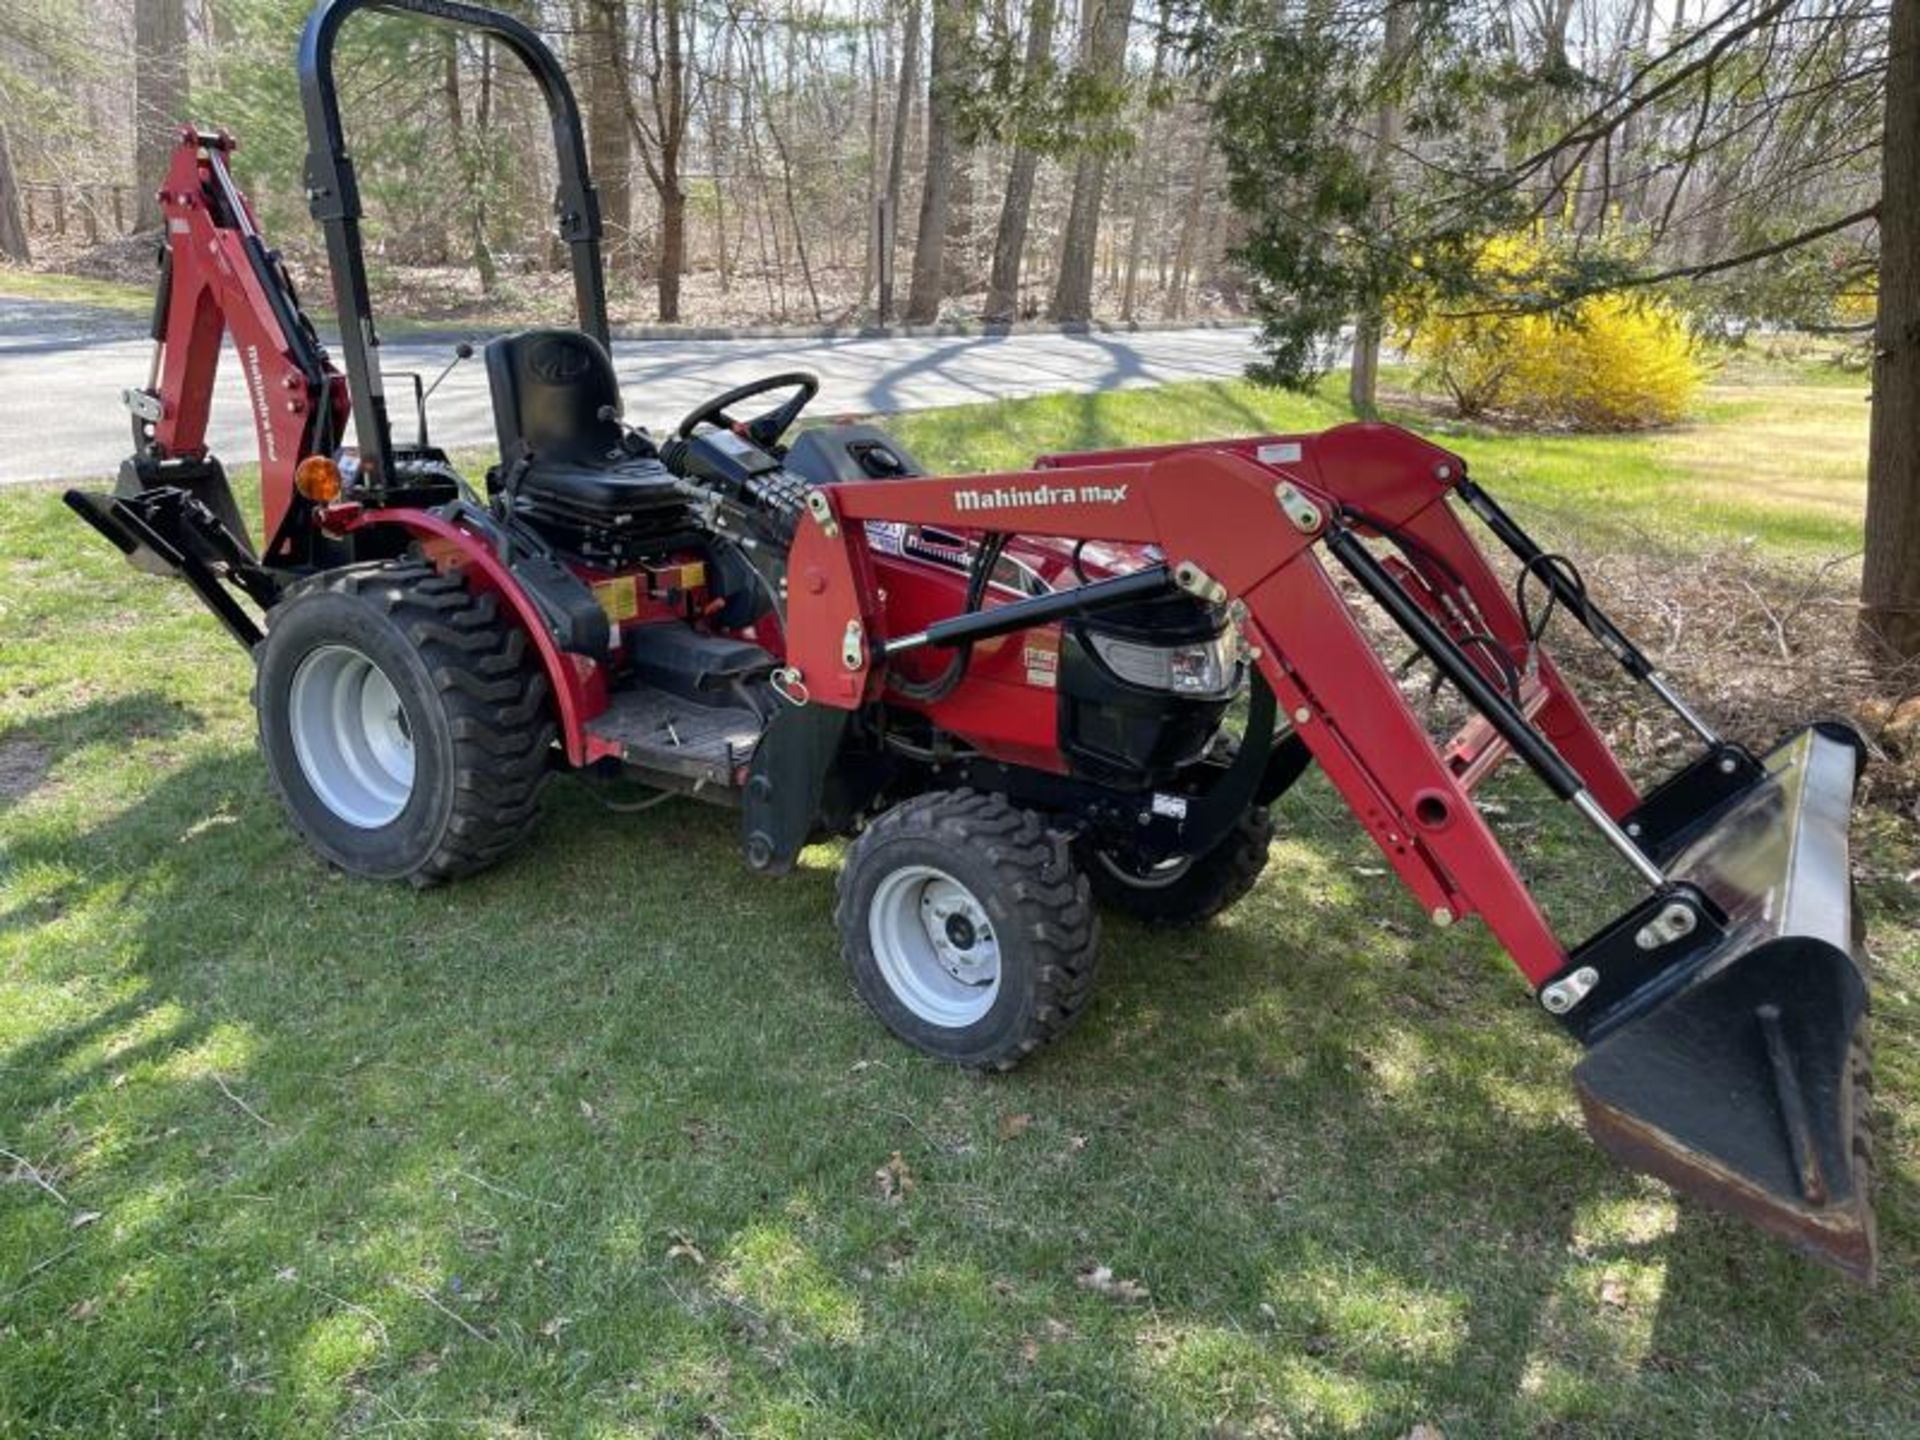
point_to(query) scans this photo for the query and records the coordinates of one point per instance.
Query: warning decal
(1043, 659)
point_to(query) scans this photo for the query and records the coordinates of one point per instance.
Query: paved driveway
(62, 369)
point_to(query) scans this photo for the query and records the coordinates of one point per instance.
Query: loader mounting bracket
(785, 784)
(1687, 802)
(1639, 959)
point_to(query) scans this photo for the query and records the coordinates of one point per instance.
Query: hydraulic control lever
(422, 394)
(634, 439)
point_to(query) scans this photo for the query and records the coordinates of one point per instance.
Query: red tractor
(1012, 689)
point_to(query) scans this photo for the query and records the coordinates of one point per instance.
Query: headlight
(1207, 670)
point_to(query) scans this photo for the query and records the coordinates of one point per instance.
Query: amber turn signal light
(318, 479)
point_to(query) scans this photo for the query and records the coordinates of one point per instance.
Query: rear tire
(967, 928)
(1196, 888)
(404, 722)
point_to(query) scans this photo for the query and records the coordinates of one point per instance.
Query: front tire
(1193, 889)
(404, 722)
(967, 928)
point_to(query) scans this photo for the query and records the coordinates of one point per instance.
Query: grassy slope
(1778, 453)
(19, 284)
(125, 299)
(590, 1145)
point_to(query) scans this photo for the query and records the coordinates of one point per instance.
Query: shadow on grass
(596, 1140)
(43, 743)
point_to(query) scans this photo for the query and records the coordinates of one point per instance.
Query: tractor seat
(549, 387)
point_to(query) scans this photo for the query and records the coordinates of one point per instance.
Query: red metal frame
(1215, 506)
(216, 292)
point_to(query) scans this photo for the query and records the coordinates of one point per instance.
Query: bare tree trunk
(471, 165)
(786, 187)
(13, 224)
(1105, 39)
(1010, 239)
(870, 255)
(929, 246)
(1175, 305)
(1143, 171)
(719, 118)
(958, 273)
(1363, 375)
(664, 51)
(161, 97)
(1890, 586)
(609, 140)
(907, 82)
(673, 251)
(671, 102)
(1640, 26)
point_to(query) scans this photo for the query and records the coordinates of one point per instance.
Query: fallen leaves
(683, 1248)
(1012, 1127)
(895, 1179)
(83, 1219)
(1102, 1281)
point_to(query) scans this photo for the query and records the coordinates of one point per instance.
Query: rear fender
(579, 686)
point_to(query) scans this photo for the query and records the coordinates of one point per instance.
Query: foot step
(667, 733)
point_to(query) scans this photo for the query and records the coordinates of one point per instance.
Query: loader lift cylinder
(1144, 584)
(1480, 692)
(1598, 624)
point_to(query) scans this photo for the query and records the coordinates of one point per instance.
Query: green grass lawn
(17, 283)
(121, 298)
(602, 1143)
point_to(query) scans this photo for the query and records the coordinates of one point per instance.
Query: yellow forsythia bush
(1611, 362)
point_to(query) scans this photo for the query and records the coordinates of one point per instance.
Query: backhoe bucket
(1740, 1075)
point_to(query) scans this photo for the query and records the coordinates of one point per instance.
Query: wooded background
(1337, 169)
(757, 153)
(1018, 158)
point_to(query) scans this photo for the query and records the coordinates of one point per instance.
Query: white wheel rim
(351, 737)
(935, 945)
(1159, 877)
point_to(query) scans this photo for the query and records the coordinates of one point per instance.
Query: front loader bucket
(1740, 1077)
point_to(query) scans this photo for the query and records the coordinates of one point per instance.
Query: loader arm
(1722, 1012)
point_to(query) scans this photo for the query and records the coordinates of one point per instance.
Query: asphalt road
(62, 369)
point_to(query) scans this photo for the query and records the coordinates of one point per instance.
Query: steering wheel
(763, 430)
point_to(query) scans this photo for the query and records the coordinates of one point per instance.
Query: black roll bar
(333, 195)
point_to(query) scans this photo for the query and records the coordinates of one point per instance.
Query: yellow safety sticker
(687, 575)
(618, 597)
